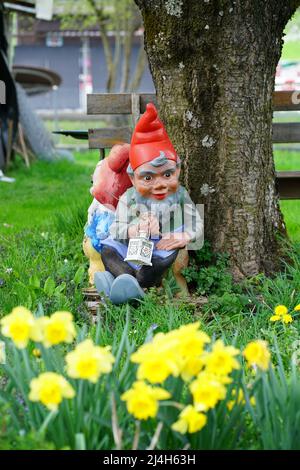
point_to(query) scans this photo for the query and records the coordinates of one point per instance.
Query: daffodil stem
(46, 422)
(26, 362)
(175, 404)
(80, 404)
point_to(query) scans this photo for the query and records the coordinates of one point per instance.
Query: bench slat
(106, 138)
(288, 183)
(115, 103)
(287, 132)
(120, 103)
(286, 100)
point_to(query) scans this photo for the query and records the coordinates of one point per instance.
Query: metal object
(140, 249)
(80, 135)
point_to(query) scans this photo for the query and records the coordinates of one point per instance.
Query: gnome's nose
(160, 185)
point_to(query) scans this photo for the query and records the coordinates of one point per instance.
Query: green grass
(291, 50)
(44, 189)
(291, 47)
(287, 161)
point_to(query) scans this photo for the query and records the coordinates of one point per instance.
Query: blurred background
(61, 50)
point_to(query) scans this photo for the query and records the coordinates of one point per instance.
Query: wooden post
(135, 107)
(9, 141)
(23, 146)
(102, 154)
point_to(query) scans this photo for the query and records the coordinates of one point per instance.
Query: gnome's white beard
(162, 210)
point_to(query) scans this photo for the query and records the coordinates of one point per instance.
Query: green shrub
(209, 274)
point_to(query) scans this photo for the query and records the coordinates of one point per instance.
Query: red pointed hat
(149, 139)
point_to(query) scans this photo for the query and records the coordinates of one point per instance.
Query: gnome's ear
(118, 157)
(131, 177)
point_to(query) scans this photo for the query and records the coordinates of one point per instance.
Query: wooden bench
(134, 104)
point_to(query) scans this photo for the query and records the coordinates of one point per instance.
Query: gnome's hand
(148, 223)
(173, 241)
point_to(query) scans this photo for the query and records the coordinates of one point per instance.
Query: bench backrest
(134, 104)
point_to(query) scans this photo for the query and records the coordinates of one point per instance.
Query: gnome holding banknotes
(154, 219)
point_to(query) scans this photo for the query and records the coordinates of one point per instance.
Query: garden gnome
(110, 181)
(156, 206)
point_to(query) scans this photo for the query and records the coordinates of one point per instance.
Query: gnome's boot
(125, 288)
(103, 282)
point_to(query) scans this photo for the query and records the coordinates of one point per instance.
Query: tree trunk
(213, 64)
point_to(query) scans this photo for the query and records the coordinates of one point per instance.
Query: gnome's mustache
(160, 209)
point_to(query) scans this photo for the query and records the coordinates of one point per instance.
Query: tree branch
(105, 41)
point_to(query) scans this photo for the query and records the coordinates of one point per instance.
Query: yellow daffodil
(253, 401)
(297, 308)
(21, 326)
(191, 367)
(190, 420)
(275, 318)
(58, 328)
(287, 318)
(174, 353)
(280, 310)
(207, 391)
(36, 352)
(221, 360)
(239, 399)
(191, 340)
(142, 400)
(50, 389)
(158, 359)
(156, 369)
(257, 354)
(88, 361)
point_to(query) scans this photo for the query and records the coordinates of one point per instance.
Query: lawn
(291, 50)
(44, 190)
(287, 161)
(291, 46)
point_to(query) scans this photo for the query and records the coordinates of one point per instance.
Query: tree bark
(213, 63)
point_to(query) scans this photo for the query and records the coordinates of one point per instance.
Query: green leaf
(78, 278)
(80, 442)
(34, 282)
(49, 287)
(59, 289)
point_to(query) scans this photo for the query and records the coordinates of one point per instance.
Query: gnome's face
(156, 182)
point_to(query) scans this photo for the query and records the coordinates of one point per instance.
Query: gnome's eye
(148, 178)
(168, 174)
